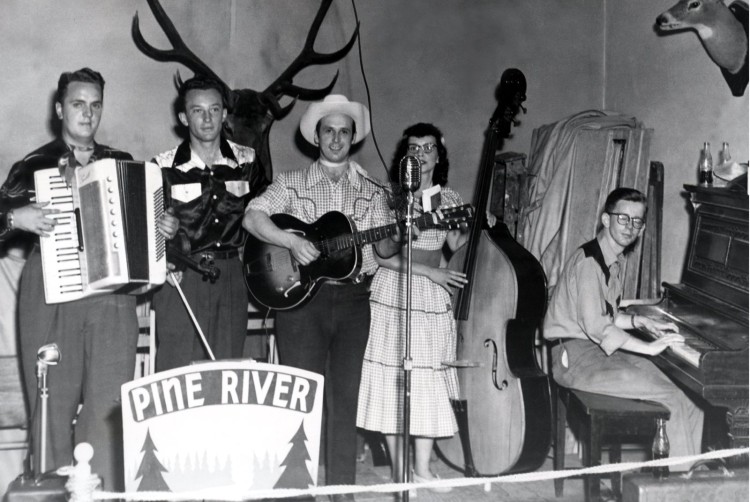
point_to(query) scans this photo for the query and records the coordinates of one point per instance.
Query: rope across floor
(83, 487)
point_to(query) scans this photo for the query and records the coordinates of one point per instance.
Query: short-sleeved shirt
(584, 302)
(210, 201)
(308, 194)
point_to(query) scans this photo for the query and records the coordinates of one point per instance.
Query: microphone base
(49, 487)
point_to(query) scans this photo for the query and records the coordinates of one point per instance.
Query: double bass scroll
(504, 413)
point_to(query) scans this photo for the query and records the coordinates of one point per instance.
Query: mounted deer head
(719, 27)
(251, 113)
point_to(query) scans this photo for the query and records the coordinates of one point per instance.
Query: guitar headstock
(449, 218)
(510, 94)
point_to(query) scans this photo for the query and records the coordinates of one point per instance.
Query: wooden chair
(599, 421)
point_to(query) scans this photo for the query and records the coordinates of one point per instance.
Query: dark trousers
(97, 338)
(332, 327)
(220, 309)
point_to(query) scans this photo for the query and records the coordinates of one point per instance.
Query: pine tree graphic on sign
(150, 469)
(295, 474)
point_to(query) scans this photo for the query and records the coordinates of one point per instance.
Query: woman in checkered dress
(433, 333)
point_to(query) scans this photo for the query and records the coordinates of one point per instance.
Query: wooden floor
(537, 491)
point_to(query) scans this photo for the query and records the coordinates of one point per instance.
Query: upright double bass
(504, 413)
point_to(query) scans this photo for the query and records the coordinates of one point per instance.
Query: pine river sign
(235, 425)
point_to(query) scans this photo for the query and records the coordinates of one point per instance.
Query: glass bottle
(724, 157)
(706, 166)
(660, 448)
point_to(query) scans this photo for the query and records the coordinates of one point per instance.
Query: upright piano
(710, 307)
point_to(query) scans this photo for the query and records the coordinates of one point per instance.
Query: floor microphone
(410, 173)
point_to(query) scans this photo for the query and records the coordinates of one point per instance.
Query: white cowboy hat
(335, 103)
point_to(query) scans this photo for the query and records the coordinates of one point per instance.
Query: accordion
(105, 239)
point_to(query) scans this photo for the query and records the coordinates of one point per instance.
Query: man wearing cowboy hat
(333, 325)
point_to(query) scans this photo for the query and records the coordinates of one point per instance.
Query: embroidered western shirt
(210, 201)
(308, 194)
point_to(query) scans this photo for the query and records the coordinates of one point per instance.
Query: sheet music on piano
(105, 239)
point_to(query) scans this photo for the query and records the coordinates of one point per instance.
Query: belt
(216, 255)
(560, 341)
(431, 258)
(358, 279)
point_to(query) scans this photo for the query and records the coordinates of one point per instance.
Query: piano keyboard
(60, 258)
(689, 326)
(689, 351)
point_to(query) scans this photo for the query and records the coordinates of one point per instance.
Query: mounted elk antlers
(251, 113)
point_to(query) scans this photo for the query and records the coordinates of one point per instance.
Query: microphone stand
(43, 398)
(407, 342)
(46, 355)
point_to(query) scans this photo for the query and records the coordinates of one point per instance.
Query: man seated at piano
(591, 347)
(96, 336)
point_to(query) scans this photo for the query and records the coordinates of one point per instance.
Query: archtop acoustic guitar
(276, 280)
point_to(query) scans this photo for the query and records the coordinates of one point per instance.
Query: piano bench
(598, 421)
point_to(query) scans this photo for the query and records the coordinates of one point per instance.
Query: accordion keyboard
(60, 251)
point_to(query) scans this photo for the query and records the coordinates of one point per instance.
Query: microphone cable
(367, 89)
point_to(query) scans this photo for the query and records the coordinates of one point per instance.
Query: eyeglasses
(426, 148)
(624, 220)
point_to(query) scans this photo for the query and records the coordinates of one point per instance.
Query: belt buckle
(358, 278)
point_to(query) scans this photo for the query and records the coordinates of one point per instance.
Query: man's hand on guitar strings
(302, 250)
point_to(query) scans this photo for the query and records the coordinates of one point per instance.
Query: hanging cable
(367, 90)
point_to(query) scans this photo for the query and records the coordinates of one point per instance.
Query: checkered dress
(433, 342)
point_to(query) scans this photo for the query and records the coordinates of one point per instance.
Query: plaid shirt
(308, 194)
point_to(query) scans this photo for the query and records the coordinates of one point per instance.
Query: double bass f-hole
(504, 384)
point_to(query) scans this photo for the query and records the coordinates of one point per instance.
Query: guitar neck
(360, 238)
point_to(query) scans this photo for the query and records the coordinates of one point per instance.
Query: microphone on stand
(47, 355)
(410, 173)
(410, 177)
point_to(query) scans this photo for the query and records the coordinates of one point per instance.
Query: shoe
(437, 489)
(362, 453)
